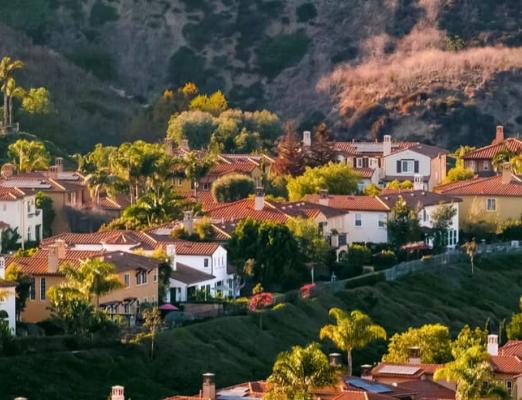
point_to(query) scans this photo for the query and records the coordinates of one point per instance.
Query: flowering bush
(261, 300)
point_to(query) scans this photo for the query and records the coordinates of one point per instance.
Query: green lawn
(235, 349)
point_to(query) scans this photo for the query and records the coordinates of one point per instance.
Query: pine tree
(322, 149)
(290, 158)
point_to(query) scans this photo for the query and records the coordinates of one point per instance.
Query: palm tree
(93, 278)
(12, 91)
(29, 155)
(196, 168)
(100, 181)
(472, 374)
(298, 371)
(352, 331)
(7, 68)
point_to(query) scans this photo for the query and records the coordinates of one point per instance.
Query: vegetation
(45, 203)
(15, 274)
(232, 187)
(290, 158)
(312, 244)
(442, 218)
(403, 225)
(29, 155)
(459, 173)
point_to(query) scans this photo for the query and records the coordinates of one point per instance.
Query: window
(359, 162)
(407, 166)
(32, 290)
(28, 207)
(42, 289)
(29, 234)
(155, 276)
(424, 215)
(206, 186)
(491, 204)
(126, 308)
(382, 220)
(358, 220)
(509, 387)
(179, 182)
(485, 165)
(141, 278)
(205, 262)
(126, 280)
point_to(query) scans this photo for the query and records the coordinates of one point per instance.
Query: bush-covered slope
(237, 350)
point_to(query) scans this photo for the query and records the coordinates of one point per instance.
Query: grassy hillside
(236, 349)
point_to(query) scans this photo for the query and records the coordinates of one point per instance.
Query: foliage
(459, 173)
(10, 238)
(195, 126)
(152, 321)
(280, 52)
(511, 229)
(468, 338)
(306, 12)
(214, 104)
(336, 178)
(297, 371)
(322, 150)
(432, 339)
(290, 156)
(97, 61)
(398, 185)
(403, 225)
(372, 190)
(502, 157)
(470, 248)
(29, 16)
(312, 244)
(37, 101)
(102, 13)
(232, 187)
(45, 203)
(514, 327)
(15, 274)
(358, 256)
(352, 331)
(277, 261)
(442, 218)
(29, 155)
(384, 259)
(472, 374)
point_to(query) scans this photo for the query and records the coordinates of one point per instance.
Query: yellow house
(493, 200)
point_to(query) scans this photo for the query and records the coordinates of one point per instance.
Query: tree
(514, 328)
(468, 338)
(398, 185)
(152, 321)
(290, 156)
(432, 339)
(311, 242)
(195, 126)
(336, 178)
(92, 279)
(7, 68)
(470, 248)
(195, 168)
(459, 173)
(442, 218)
(15, 274)
(322, 150)
(214, 104)
(372, 190)
(298, 371)
(516, 164)
(351, 331)
(501, 158)
(29, 155)
(232, 187)
(403, 225)
(36, 101)
(45, 203)
(472, 374)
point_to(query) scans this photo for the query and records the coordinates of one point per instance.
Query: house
(492, 200)
(365, 215)
(200, 267)
(394, 160)
(67, 190)
(18, 212)
(480, 160)
(506, 363)
(138, 275)
(425, 203)
(7, 299)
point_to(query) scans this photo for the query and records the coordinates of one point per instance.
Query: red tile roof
(38, 263)
(243, 209)
(506, 364)
(512, 348)
(196, 248)
(415, 199)
(356, 203)
(426, 389)
(425, 149)
(365, 173)
(242, 167)
(11, 193)
(488, 152)
(485, 186)
(347, 148)
(402, 370)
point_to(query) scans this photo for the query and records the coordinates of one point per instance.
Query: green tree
(7, 68)
(152, 321)
(470, 248)
(335, 177)
(312, 244)
(45, 203)
(298, 371)
(459, 173)
(358, 256)
(214, 104)
(501, 158)
(403, 225)
(372, 190)
(472, 374)
(468, 338)
(353, 330)
(514, 327)
(195, 126)
(195, 168)
(36, 101)
(15, 274)
(516, 164)
(29, 155)
(398, 185)
(442, 217)
(232, 187)
(432, 339)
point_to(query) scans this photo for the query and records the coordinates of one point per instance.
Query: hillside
(236, 349)
(270, 53)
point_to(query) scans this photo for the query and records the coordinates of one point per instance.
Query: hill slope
(237, 350)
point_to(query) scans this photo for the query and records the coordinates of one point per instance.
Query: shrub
(359, 255)
(186, 66)
(511, 230)
(102, 13)
(305, 12)
(280, 52)
(96, 61)
(365, 280)
(384, 259)
(232, 187)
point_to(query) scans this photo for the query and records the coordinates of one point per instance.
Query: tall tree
(470, 248)
(29, 155)
(232, 187)
(290, 156)
(298, 371)
(472, 374)
(7, 68)
(502, 157)
(352, 331)
(322, 150)
(14, 273)
(442, 218)
(152, 321)
(403, 225)
(195, 168)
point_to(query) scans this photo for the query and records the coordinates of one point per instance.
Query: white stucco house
(18, 211)
(7, 299)
(200, 268)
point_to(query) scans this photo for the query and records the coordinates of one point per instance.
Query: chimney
(58, 162)
(418, 184)
(184, 145)
(171, 254)
(7, 170)
(324, 199)
(307, 138)
(208, 391)
(259, 202)
(169, 147)
(53, 172)
(507, 174)
(386, 145)
(366, 370)
(188, 221)
(414, 357)
(62, 248)
(52, 259)
(334, 359)
(118, 393)
(493, 345)
(2, 268)
(499, 135)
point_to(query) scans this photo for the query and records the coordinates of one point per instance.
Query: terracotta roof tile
(365, 173)
(415, 199)
(506, 364)
(426, 389)
(425, 149)
(512, 348)
(189, 275)
(243, 209)
(356, 203)
(483, 186)
(488, 152)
